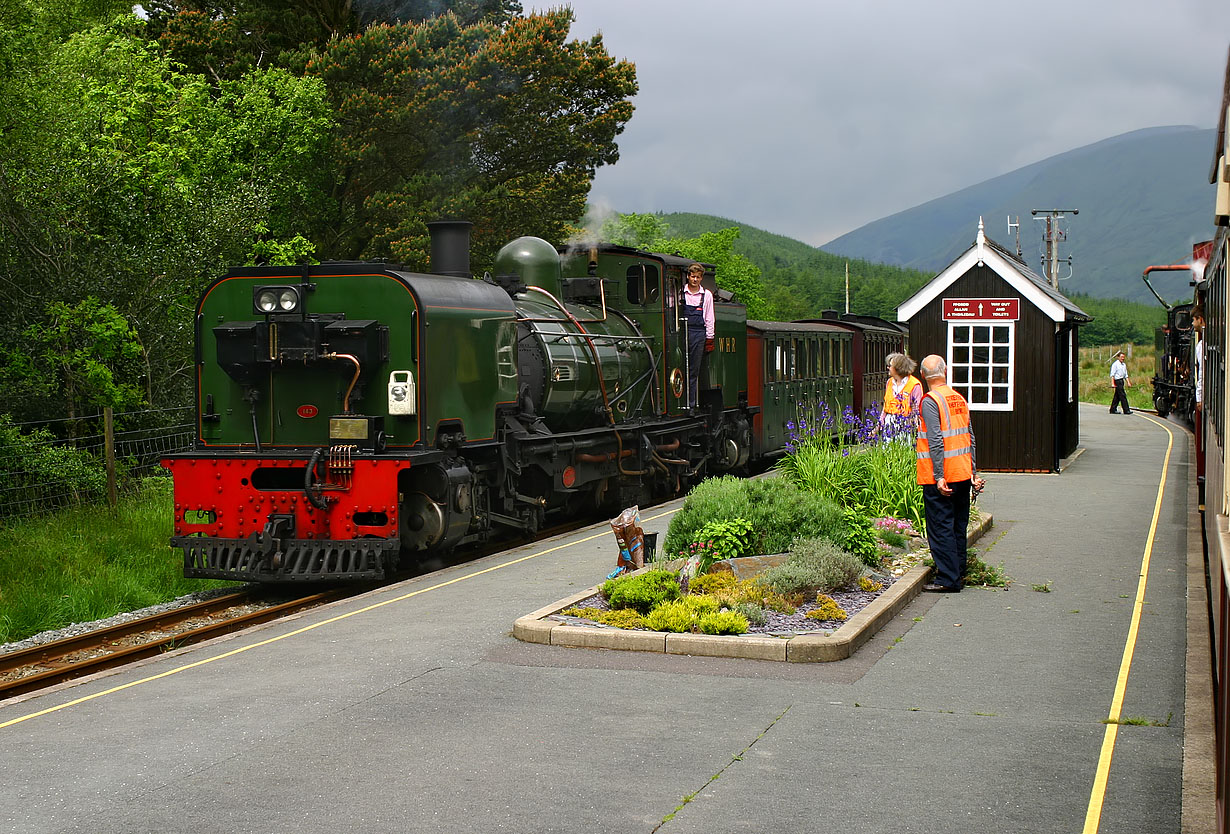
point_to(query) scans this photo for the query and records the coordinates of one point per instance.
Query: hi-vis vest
(899, 403)
(954, 425)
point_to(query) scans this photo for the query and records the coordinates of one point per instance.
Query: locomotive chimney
(450, 247)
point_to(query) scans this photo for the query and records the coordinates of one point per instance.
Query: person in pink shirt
(697, 309)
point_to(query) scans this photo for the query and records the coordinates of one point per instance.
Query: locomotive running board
(298, 560)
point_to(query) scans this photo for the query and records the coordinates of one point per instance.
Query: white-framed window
(1072, 375)
(981, 362)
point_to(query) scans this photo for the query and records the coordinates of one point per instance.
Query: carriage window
(644, 284)
(980, 364)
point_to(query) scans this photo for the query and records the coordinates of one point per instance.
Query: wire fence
(53, 464)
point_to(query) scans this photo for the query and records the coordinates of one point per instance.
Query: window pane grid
(980, 364)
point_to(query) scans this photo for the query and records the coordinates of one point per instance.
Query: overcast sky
(810, 118)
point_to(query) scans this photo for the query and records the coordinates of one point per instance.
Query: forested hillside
(799, 281)
(1143, 198)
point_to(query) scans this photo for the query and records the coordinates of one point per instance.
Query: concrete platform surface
(413, 709)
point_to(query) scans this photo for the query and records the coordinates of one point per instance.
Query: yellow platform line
(305, 629)
(1097, 797)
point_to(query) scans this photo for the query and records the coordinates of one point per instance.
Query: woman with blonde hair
(902, 394)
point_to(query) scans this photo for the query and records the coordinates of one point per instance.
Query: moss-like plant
(723, 622)
(643, 591)
(618, 617)
(671, 616)
(712, 583)
(828, 609)
(682, 614)
(866, 583)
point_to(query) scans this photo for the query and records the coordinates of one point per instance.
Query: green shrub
(777, 510)
(813, 565)
(642, 591)
(52, 473)
(860, 536)
(710, 500)
(723, 622)
(726, 540)
(780, 512)
(671, 616)
(700, 604)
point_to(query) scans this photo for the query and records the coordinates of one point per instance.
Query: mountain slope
(1143, 199)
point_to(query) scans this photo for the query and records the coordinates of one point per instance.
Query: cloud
(810, 118)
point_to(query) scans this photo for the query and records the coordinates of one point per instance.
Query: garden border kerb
(536, 627)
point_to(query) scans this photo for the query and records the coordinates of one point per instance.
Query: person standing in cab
(902, 394)
(697, 307)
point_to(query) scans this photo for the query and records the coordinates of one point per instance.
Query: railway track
(38, 667)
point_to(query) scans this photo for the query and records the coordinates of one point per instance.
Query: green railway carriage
(794, 369)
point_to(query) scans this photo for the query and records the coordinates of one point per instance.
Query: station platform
(413, 709)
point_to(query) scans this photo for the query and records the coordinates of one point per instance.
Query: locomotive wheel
(422, 520)
(1162, 406)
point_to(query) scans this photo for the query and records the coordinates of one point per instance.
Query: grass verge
(88, 563)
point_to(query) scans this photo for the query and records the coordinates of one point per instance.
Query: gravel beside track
(83, 628)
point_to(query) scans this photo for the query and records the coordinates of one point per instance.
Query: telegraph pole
(1052, 237)
(847, 287)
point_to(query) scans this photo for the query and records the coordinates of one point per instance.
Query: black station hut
(1012, 346)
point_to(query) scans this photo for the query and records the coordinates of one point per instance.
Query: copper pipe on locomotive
(353, 381)
(1163, 268)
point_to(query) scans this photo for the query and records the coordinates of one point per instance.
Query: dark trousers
(696, 360)
(1120, 397)
(947, 519)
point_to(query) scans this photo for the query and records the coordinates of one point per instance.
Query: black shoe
(934, 588)
(1114, 412)
(1127, 412)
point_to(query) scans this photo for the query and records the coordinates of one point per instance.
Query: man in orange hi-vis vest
(947, 471)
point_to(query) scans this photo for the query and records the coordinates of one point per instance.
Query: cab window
(644, 284)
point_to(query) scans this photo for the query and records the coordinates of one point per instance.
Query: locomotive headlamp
(267, 300)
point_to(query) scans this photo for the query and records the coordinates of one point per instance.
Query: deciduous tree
(501, 126)
(130, 181)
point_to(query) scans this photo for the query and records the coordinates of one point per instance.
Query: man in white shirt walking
(1119, 378)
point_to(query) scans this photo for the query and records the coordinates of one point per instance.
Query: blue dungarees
(695, 318)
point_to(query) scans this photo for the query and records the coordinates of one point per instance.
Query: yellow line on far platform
(305, 629)
(1097, 797)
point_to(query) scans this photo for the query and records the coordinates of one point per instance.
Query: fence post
(109, 443)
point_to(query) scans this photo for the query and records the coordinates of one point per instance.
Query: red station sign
(982, 309)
